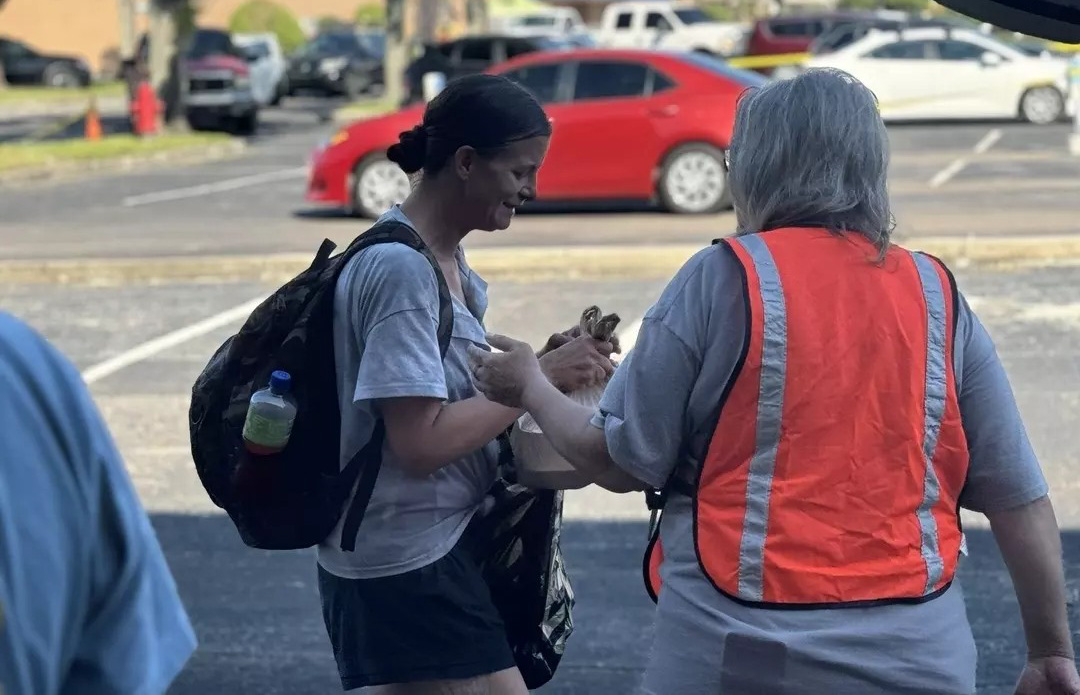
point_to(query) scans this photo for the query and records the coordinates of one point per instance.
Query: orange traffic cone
(93, 122)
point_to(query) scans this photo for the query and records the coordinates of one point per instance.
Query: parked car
(795, 33)
(630, 124)
(219, 94)
(269, 81)
(473, 54)
(943, 73)
(24, 65)
(551, 21)
(339, 62)
(669, 25)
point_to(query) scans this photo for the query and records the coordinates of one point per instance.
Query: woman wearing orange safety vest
(812, 406)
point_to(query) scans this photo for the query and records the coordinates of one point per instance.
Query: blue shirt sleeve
(89, 605)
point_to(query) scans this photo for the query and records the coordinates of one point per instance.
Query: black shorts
(434, 623)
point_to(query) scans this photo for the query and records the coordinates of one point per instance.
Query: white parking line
(144, 351)
(948, 172)
(988, 141)
(217, 187)
(955, 167)
(153, 347)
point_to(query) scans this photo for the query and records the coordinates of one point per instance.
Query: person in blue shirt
(87, 603)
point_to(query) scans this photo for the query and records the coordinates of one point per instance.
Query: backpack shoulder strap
(387, 233)
(390, 232)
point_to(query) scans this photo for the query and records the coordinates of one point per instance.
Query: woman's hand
(1052, 675)
(557, 340)
(504, 377)
(579, 363)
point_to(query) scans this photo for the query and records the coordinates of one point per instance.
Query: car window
(609, 79)
(661, 82)
(478, 50)
(257, 50)
(623, 20)
(959, 50)
(743, 78)
(837, 38)
(655, 20)
(516, 47)
(692, 15)
(541, 80)
(790, 28)
(904, 50)
(207, 43)
(14, 49)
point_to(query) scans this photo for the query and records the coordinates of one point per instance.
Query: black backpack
(293, 499)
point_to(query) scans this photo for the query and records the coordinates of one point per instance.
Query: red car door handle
(665, 111)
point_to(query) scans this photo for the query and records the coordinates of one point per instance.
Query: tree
(913, 6)
(3, 75)
(263, 16)
(371, 14)
(172, 23)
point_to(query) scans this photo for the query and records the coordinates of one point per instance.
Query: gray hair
(811, 151)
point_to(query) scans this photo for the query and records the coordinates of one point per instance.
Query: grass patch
(369, 108)
(21, 155)
(10, 95)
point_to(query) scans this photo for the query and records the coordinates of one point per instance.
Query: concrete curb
(522, 264)
(111, 165)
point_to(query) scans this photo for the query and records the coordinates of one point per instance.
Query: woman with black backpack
(407, 609)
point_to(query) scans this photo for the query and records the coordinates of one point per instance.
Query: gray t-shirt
(665, 390)
(386, 317)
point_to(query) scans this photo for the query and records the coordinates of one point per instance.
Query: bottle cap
(280, 382)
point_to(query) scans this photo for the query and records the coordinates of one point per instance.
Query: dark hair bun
(410, 151)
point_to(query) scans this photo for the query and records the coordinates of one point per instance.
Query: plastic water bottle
(270, 417)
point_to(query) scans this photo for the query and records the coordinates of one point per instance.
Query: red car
(628, 125)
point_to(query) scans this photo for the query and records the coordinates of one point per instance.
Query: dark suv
(472, 54)
(338, 62)
(25, 66)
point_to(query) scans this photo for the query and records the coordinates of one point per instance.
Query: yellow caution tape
(769, 61)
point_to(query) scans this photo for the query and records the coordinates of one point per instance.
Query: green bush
(371, 14)
(263, 16)
(914, 6)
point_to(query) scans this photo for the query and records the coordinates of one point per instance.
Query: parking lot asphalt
(254, 204)
(256, 613)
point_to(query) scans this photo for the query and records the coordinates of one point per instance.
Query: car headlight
(333, 64)
(338, 138)
(242, 82)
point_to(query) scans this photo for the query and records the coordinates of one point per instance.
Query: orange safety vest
(833, 476)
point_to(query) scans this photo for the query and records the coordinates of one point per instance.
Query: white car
(944, 73)
(553, 21)
(268, 66)
(677, 26)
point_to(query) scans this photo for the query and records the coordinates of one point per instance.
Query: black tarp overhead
(1056, 20)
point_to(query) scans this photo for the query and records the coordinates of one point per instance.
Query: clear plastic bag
(538, 464)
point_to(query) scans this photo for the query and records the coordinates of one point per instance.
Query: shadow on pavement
(260, 628)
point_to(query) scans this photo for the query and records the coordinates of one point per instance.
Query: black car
(337, 62)
(26, 66)
(473, 54)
